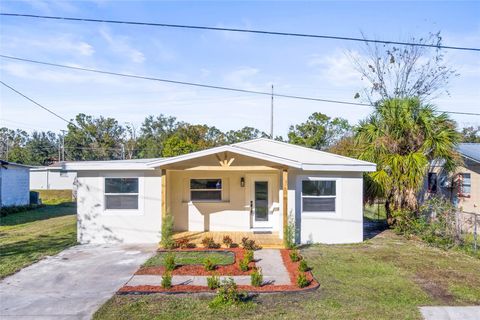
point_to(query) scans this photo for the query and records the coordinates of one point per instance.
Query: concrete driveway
(72, 284)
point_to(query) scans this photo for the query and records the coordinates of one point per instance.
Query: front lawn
(28, 236)
(386, 277)
(192, 258)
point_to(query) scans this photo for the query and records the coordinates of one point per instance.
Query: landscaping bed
(197, 269)
(222, 270)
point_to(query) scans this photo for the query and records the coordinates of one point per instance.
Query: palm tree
(402, 137)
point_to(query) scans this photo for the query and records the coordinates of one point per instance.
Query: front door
(260, 204)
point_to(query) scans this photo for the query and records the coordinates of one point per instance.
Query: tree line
(104, 138)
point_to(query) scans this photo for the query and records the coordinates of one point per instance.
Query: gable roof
(470, 151)
(282, 153)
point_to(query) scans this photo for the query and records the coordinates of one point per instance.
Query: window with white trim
(206, 190)
(318, 195)
(121, 193)
(465, 184)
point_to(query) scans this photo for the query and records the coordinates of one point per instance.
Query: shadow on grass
(47, 212)
(373, 227)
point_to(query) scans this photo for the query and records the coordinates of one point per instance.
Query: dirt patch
(434, 289)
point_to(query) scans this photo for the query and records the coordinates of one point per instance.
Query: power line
(36, 103)
(194, 84)
(209, 86)
(264, 32)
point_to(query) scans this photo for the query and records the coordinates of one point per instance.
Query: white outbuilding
(14, 184)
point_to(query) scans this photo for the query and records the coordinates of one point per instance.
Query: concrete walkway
(72, 284)
(450, 313)
(270, 260)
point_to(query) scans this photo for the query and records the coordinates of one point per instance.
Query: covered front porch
(226, 193)
(263, 239)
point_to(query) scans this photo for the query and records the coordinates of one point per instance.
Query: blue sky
(297, 66)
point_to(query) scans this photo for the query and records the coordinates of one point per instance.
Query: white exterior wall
(97, 225)
(14, 186)
(52, 180)
(345, 225)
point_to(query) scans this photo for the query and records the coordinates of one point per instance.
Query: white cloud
(336, 68)
(120, 44)
(242, 77)
(59, 43)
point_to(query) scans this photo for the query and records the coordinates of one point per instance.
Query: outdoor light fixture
(242, 182)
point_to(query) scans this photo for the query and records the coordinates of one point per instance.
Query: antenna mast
(271, 117)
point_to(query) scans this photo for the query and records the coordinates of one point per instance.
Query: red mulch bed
(198, 270)
(292, 268)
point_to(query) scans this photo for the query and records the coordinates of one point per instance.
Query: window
(318, 195)
(465, 184)
(432, 182)
(206, 189)
(121, 193)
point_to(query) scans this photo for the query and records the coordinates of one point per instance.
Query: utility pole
(63, 144)
(8, 140)
(123, 151)
(271, 117)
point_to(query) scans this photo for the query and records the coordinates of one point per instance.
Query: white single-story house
(14, 184)
(253, 186)
(53, 177)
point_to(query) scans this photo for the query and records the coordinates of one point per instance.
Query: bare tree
(403, 71)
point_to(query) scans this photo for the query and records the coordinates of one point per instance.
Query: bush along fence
(440, 224)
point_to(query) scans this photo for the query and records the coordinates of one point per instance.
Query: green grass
(192, 257)
(386, 277)
(28, 236)
(53, 197)
(375, 212)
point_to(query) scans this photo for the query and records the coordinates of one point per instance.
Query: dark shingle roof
(470, 150)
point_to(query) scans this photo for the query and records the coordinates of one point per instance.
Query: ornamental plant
(244, 264)
(213, 282)
(227, 241)
(303, 266)
(167, 232)
(302, 280)
(248, 255)
(208, 265)
(167, 280)
(170, 262)
(227, 294)
(256, 277)
(295, 256)
(209, 243)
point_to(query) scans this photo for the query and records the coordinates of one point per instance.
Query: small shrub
(249, 244)
(167, 232)
(213, 282)
(303, 266)
(167, 280)
(191, 245)
(209, 243)
(227, 294)
(302, 280)
(295, 256)
(289, 234)
(182, 243)
(208, 265)
(248, 255)
(256, 277)
(227, 241)
(244, 264)
(170, 262)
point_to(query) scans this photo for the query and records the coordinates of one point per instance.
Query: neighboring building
(462, 187)
(14, 184)
(53, 177)
(252, 186)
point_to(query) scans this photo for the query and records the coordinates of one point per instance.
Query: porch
(263, 239)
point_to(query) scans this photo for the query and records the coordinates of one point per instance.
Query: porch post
(285, 202)
(164, 193)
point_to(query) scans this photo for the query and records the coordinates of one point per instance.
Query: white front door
(260, 202)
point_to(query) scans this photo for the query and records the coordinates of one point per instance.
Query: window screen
(318, 195)
(121, 193)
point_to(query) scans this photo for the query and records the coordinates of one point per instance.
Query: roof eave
(340, 167)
